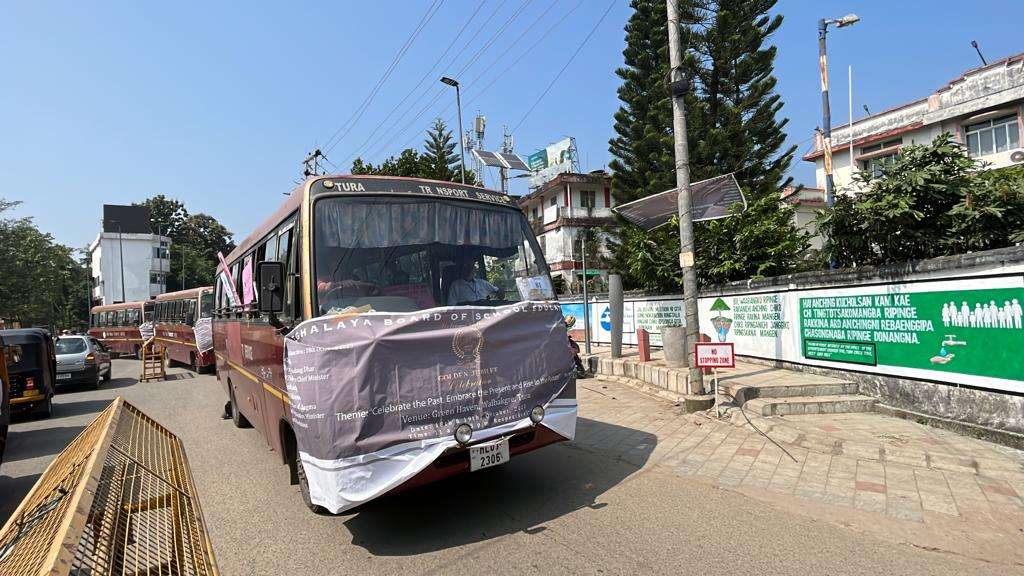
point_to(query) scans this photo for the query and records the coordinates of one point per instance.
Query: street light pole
(458, 106)
(826, 113)
(678, 86)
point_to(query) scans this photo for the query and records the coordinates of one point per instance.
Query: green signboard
(977, 332)
(538, 160)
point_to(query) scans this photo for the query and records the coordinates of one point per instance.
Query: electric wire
(438, 91)
(503, 73)
(567, 63)
(418, 84)
(357, 115)
(476, 56)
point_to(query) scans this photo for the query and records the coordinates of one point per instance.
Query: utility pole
(586, 295)
(678, 86)
(311, 165)
(826, 116)
(120, 244)
(826, 113)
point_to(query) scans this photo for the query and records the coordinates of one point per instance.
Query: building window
(991, 136)
(877, 164)
(536, 213)
(159, 252)
(156, 278)
(588, 199)
(554, 201)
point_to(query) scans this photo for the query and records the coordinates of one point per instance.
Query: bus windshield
(408, 254)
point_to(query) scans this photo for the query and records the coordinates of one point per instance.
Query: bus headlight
(537, 414)
(463, 433)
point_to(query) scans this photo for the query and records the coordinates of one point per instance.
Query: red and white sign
(714, 355)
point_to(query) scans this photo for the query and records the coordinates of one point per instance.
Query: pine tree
(733, 126)
(440, 162)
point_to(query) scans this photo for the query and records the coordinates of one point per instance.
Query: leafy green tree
(440, 161)
(41, 282)
(933, 200)
(733, 126)
(991, 213)
(408, 164)
(195, 241)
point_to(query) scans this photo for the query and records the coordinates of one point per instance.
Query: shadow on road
(68, 409)
(12, 491)
(520, 496)
(27, 444)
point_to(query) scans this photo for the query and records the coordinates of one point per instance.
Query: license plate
(65, 376)
(489, 454)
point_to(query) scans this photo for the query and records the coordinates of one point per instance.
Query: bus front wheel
(304, 488)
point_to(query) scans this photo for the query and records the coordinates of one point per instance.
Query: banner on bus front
(376, 396)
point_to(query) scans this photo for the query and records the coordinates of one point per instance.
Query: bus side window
(236, 276)
(285, 254)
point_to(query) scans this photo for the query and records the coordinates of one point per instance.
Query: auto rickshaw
(6, 355)
(32, 377)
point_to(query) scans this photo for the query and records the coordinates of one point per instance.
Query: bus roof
(366, 185)
(115, 307)
(182, 294)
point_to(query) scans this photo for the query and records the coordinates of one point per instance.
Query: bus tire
(193, 362)
(304, 488)
(237, 417)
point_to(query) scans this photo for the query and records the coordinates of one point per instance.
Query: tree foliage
(41, 282)
(933, 200)
(438, 161)
(733, 126)
(195, 241)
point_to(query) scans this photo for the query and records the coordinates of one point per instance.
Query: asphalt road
(562, 509)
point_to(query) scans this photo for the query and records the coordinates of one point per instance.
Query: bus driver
(468, 288)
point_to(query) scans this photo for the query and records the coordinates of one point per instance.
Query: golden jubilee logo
(467, 342)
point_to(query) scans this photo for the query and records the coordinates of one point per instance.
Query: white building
(982, 109)
(563, 207)
(127, 244)
(806, 203)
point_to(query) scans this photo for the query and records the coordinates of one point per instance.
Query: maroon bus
(182, 323)
(398, 272)
(117, 326)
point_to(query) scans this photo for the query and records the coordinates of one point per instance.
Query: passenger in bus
(468, 288)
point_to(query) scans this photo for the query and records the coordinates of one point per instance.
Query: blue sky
(216, 104)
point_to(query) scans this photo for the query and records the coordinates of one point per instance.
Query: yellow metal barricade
(154, 361)
(118, 500)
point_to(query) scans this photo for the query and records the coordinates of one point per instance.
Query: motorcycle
(581, 371)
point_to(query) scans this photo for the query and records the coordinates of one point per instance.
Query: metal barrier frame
(119, 499)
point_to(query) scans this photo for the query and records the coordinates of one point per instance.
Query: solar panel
(711, 199)
(489, 158)
(513, 161)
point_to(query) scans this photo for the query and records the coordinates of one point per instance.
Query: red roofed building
(982, 109)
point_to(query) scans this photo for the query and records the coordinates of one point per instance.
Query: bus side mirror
(270, 279)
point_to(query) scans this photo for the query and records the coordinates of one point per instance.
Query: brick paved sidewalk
(923, 485)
